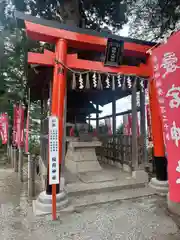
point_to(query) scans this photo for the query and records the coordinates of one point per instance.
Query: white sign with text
(53, 150)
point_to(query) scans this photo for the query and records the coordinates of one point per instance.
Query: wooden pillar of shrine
(97, 118)
(57, 108)
(134, 129)
(160, 160)
(114, 115)
(143, 126)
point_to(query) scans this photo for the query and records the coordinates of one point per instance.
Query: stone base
(126, 168)
(141, 175)
(161, 187)
(43, 204)
(81, 157)
(173, 207)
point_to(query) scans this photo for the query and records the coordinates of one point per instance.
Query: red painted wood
(48, 59)
(76, 40)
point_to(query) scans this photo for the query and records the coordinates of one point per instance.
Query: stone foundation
(110, 162)
(81, 157)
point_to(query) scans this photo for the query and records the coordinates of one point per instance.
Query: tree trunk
(69, 12)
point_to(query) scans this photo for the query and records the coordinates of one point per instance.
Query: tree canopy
(153, 19)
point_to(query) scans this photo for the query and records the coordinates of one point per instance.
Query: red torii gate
(42, 30)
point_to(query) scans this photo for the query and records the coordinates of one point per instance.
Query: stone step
(79, 188)
(79, 202)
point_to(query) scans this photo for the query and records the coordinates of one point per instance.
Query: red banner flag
(166, 63)
(21, 127)
(18, 126)
(14, 138)
(4, 128)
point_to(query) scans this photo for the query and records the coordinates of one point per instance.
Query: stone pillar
(97, 118)
(114, 115)
(160, 183)
(31, 176)
(134, 129)
(20, 156)
(143, 126)
(15, 159)
(138, 174)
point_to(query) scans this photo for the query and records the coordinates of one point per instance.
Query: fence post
(31, 176)
(20, 164)
(15, 162)
(11, 157)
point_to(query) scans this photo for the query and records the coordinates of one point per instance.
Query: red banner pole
(58, 94)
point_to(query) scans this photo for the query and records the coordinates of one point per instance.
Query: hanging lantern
(81, 84)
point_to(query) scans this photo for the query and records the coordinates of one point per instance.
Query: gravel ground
(138, 219)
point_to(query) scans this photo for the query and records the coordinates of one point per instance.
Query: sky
(122, 104)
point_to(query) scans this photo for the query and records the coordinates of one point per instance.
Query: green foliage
(120, 129)
(34, 147)
(151, 20)
(92, 14)
(90, 128)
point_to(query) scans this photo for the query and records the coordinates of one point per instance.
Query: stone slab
(107, 197)
(80, 188)
(92, 144)
(82, 167)
(98, 176)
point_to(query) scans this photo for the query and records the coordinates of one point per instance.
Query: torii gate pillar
(160, 182)
(54, 199)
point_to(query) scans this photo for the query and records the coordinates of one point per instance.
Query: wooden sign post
(53, 159)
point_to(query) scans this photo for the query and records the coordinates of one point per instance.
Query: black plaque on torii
(114, 52)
